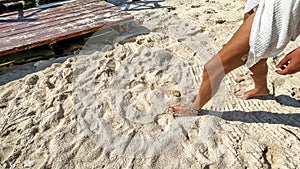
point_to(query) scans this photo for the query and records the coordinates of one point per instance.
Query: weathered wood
(56, 22)
(56, 19)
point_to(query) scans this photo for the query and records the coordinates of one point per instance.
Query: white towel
(251, 5)
(275, 24)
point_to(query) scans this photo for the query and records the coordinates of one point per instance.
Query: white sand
(107, 109)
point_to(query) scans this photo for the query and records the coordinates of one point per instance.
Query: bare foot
(256, 92)
(183, 111)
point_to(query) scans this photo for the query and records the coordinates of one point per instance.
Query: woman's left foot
(184, 111)
(255, 93)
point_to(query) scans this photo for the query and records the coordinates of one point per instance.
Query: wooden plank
(65, 20)
(56, 5)
(50, 11)
(61, 24)
(52, 21)
(58, 29)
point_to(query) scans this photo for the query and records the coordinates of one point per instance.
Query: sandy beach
(105, 106)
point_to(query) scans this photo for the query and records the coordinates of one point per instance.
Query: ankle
(196, 105)
(261, 88)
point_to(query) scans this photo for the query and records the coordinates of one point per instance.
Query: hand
(290, 64)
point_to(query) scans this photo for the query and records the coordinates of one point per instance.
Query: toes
(170, 108)
(177, 109)
(248, 95)
(174, 109)
(181, 111)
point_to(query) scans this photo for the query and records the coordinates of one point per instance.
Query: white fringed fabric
(251, 5)
(275, 24)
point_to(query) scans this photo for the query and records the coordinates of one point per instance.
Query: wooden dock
(56, 21)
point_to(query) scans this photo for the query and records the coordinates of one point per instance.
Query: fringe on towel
(276, 23)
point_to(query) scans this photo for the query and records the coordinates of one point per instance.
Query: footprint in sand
(126, 100)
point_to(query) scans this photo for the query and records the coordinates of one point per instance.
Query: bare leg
(230, 57)
(260, 71)
(246, 16)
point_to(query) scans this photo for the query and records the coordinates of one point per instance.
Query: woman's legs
(259, 76)
(227, 59)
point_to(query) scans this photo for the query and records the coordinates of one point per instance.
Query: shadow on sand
(135, 5)
(144, 5)
(257, 117)
(284, 100)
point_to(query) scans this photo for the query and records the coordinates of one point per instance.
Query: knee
(213, 71)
